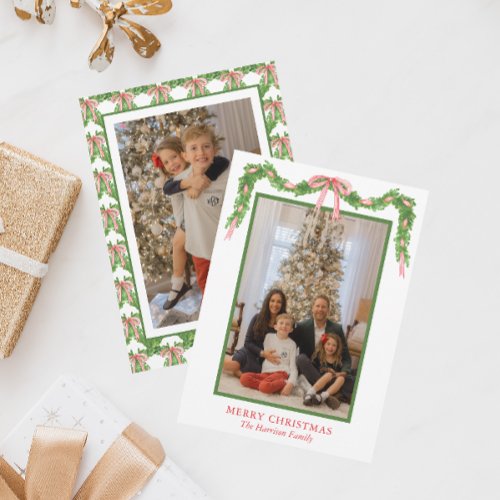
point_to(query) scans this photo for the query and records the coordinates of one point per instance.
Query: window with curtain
(284, 238)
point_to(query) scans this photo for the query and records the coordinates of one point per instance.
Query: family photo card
(160, 155)
(303, 305)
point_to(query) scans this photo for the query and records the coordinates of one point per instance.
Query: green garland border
(254, 172)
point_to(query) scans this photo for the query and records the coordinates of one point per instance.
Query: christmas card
(303, 305)
(151, 191)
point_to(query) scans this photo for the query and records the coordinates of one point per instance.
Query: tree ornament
(136, 171)
(156, 228)
(144, 128)
(162, 250)
(144, 197)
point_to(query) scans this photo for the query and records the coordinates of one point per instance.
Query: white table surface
(399, 90)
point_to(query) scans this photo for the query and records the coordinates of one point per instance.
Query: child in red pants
(279, 370)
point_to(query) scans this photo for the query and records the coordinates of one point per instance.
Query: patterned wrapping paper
(72, 403)
(36, 199)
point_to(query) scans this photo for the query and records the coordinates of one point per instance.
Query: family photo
(306, 292)
(175, 167)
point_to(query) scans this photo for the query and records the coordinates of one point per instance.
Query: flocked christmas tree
(152, 216)
(314, 266)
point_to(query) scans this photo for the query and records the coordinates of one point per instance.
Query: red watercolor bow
(175, 351)
(337, 184)
(140, 358)
(159, 89)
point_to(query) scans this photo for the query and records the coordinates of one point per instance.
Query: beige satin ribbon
(54, 458)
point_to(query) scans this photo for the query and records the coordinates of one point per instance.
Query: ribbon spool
(55, 456)
(43, 10)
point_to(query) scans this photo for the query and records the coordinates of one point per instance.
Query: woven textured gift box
(36, 199)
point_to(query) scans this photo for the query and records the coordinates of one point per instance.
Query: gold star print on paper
(78, 422)
(52, 416)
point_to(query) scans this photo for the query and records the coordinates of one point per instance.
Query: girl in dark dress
(250, 357)
(327, 358)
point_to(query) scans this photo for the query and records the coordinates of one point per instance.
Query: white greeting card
(336, 251)
(156, 280)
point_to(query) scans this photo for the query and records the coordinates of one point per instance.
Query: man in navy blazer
(307, 334)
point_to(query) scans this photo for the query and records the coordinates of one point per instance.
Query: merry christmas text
(258, 421)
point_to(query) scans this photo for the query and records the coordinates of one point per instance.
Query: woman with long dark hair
(250, 357)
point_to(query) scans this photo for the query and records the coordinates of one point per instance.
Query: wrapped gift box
(71, 403)
(35, 203)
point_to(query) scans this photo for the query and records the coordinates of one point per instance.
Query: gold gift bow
(54, 458)
(44, 13)
(143, 41)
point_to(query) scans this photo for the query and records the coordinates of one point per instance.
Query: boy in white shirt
(202, 214)
(280, 377)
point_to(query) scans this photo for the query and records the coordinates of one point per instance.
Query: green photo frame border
(147, 353)
(258, 196)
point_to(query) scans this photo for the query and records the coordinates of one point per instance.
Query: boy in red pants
(202, 214)
(282, 376)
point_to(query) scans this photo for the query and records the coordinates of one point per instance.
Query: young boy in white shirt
(279, 377)
(201, 215)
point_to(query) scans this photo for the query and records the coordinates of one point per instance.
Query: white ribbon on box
(21, 262)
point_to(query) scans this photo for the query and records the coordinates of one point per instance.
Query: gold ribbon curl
(143, 41)
(55, 456)
(39, 10)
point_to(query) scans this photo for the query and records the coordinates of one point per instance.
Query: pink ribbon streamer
(123, 96)
(402, 264)
(103, 177)
(117, 250)
(196, 82)
(337, 184)
(140, 358)
(98, 141)
(91, 104)
(265, 70)
(133, 323)
(110, 213)
(231, 229)
(231, 76)
(280, 142)
(175, 351)
(125, 286)
(274, 106)
(159, 89)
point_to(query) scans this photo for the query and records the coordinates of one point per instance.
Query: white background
(397, 90)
